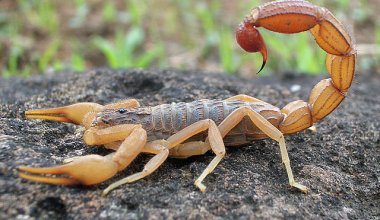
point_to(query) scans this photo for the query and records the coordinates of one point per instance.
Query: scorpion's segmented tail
(293, 16)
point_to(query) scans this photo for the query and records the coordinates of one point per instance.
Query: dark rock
(340, 163)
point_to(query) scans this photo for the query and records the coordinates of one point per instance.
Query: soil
(339, 162)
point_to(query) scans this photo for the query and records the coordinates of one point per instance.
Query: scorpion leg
(181, 151)
(161, 147)
(93, 169)
(244, 98)
(236, 116)
(189, 149)
(161, 151)
(214, 138)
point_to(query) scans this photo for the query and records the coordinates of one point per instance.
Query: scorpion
(187, 129)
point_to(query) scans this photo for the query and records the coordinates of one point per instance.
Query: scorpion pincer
(187, 129)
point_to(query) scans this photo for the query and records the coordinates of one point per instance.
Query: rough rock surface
(340, 163)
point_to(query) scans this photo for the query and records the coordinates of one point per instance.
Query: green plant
(78, 63)
(48, 55)
(11, 68)
(136, 10)
(124, 51)
(227, 55)
(41, 13)
(36, 35)
(109, 11)
(82, 10)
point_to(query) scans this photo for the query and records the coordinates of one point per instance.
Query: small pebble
(295, 88)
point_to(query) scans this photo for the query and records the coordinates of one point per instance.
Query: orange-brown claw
(76, 113)
(250, 39)
(86, 170)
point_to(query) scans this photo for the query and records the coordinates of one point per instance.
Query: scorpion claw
(76, 113)
(86, 170)
(47, 114)
(50, 180)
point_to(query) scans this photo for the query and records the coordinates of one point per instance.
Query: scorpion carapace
(187, 129)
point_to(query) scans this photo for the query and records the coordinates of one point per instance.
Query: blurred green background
(39, 36)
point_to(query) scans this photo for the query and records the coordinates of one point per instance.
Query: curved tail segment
(294, 16)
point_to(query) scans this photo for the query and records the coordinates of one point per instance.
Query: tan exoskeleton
(188, 129)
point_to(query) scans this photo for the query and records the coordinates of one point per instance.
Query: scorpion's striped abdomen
(164, 120)
(171, 118)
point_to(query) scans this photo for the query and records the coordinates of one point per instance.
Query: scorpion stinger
(250, 39)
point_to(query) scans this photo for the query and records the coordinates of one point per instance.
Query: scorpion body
(164, 120)
(188, 129)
